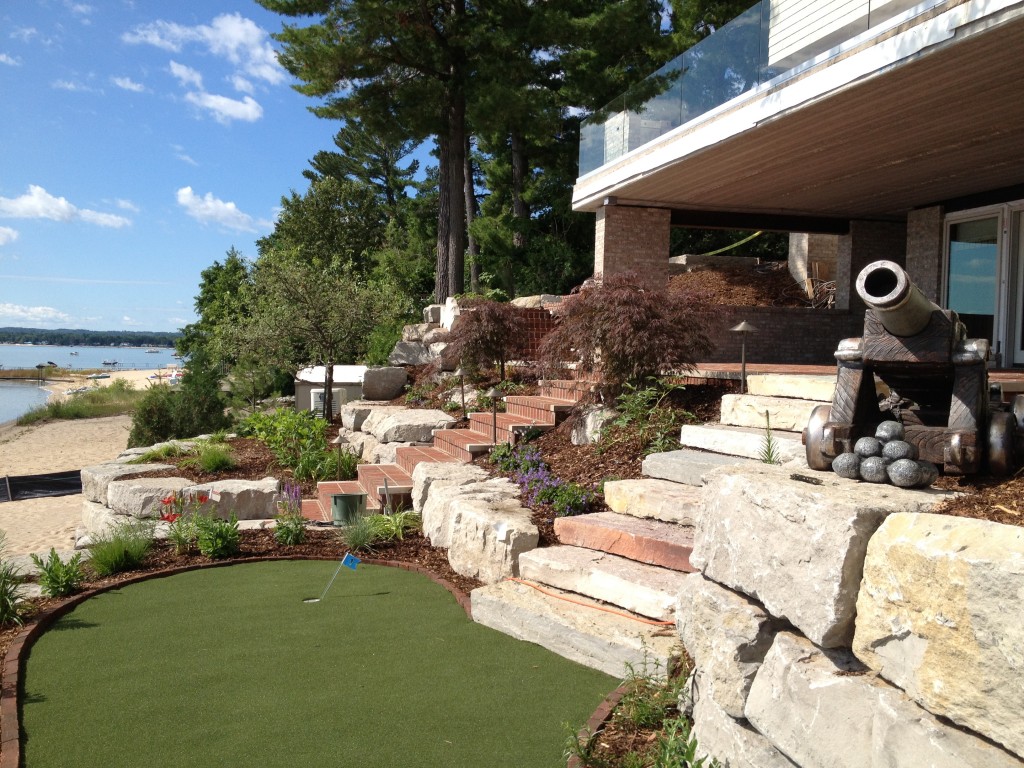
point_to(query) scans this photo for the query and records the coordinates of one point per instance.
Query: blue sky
(139, 141)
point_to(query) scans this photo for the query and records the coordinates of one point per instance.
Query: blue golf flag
(350, 561)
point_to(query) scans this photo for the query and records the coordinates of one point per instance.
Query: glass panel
(973, 264)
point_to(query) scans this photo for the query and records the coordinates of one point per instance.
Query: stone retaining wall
(843, 624)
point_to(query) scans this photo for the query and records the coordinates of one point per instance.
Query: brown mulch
(766, 285)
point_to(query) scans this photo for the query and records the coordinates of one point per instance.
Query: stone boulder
(819, 709)
(384, 383)
(355, 413)
(487, 539)
(939, 615)
(429, 476)
(98, 520)
(435, 336)
(387, 453)
(417, 331)
(410, 353)
(432, 313)
(95, 479)
(733, 743)
(795, 547)
(411, 425)
(437, 510)
(143, 497)
(246, 499)
(590, 425)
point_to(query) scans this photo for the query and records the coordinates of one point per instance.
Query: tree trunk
(473, 247)
(520, 208)
(329, 391)
(450, 279)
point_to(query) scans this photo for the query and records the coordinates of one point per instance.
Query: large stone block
(412, 425)
(410, 353)
(821, 710)
(246, 499)
(143, 497)
(733, 743)
(796, 548)
(653, 498)
(428, 476)
(727, 635)
(417, 331)
(387, 453)
(590, 425)
(487, 539)
(355, 413)
(432, 313)
(98, 519)
(437, 510)
(686, 466)
(788, 414)
(95, 479)
(384, 383)
(939, 614)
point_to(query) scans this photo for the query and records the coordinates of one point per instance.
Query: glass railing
(770, 40)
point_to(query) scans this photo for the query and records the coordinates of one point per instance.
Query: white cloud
(37, 203)
(128, 84)
(209, 210)
(127, 205)
(82, 9)
(69, 85)
(9, 60)
(224, 109)
(241, 84)
(8, 235)
(24, 33)
(20, 313)
(129, 321)
(186, 75)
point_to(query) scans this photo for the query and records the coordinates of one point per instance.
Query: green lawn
(228, 667)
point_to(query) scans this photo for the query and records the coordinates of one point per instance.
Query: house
(310, 384)
(867, 131)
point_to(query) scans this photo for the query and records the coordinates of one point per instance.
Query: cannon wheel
(1002, 428)
(814, 438)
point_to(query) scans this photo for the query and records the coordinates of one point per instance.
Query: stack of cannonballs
(886, 458)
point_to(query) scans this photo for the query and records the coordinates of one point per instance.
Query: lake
(18, 398)
(127, 358)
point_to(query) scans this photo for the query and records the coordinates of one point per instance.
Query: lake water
(17, 398)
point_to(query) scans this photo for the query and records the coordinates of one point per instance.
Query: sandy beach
(35, 525)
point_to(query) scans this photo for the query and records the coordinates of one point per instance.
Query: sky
(139, 142)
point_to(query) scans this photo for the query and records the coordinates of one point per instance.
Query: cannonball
(847, 465)
(868, 446)
(889, 430)
(899, 449)
(905, 473)
(872, 469)
(929, 472)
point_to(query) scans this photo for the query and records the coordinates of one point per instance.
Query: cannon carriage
(935, 379)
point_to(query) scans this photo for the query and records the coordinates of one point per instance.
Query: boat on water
(110, 362)
(98, 376)
(74, 353)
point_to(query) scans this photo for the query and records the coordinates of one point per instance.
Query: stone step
(745, 442)
(652, 498)
(399, 485)
(583, 631)
(686, 465)
(313, 510)
(800, 386)
(787, 414)
(509, 425)
(638, 588)
(408, 456)
(646, 541)
(538, 410)
(462, 444)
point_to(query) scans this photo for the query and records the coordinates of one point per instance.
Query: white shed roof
(343, 374)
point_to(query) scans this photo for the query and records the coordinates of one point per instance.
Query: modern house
(866, 130)
(310, 384)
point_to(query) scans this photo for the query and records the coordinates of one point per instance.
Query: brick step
(539, 410)
(638, 588)
(646, 541)
(407, 457)
(654, 499)
(565, 389)
(746, 442)
(587, 633)
(463, 444)
(510, 426)
(787, 413)
(686, 466)
(326, 489)
(371, 478)
(312, 510)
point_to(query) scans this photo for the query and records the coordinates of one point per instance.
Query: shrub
(348, 462)
(487, 333)
(58, 578)
(122, 549)
(211, 457)
(628, 330)
(359, 536)
(291, 525)
(298, 440)
(393, 526)
(640, 408)
(217, 538)
(12, 600)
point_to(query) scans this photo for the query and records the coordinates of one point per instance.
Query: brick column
(924, 250)
(631, 239)
(867, 241)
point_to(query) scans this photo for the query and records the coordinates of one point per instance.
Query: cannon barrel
(899, 304)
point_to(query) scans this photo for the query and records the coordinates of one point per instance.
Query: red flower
(170, 517)
(203, 499)
(168, 500)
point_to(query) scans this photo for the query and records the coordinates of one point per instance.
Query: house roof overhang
(919, 114)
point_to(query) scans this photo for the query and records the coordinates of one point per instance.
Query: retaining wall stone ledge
(427, 475)
(733, 743)
(95, 479)
(486, 541)
(437, 511)
(406, 426)
(939, 614)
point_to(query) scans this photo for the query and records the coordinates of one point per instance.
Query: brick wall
(628, 239)
(867, 241)
(535, 324)
(924, 250)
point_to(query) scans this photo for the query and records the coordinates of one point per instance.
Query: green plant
(121, 549)
(217, 538)
(641, 409)
(182, 533)
(571, 499)
(298, 440)
(769, 447)
(677, 747)
(12, 601)
(58, 578)
(211, 457)
(348, 462)
(393, 526)
(359, 536)
(487, 333)
(165, 451)
(290, 528)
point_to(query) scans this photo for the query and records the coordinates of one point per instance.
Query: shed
(310, 383)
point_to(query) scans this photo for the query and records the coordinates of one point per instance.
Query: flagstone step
(786, 413)
(745, 442)
(653, 498)
(463, 444)
(639, 588)
(801, 386)
(539, 410)
(646, 541)
(583, 631)
(686, 465)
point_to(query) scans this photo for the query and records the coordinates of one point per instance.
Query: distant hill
(77, 337)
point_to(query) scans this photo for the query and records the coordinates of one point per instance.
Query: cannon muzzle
(899, 304)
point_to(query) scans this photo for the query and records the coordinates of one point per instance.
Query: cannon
(932, 378)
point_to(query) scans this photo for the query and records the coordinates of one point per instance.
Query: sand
(35, 525)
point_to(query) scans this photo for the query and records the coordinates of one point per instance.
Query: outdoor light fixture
(743, 329)
(338, 442)
(494, 393)
(461, 373)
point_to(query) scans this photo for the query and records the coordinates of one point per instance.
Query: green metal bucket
(346, 508)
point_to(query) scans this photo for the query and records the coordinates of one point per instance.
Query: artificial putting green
(228, 667)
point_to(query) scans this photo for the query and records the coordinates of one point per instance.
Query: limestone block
(428, 475)
(432, 313)
(410, 353)
(435, 336)
(384, 383)
(455, 396)
(727, 635)
(789, 414)
(733, 743)
(355, 413)
(143, 497)
(411, 425)
(98, 519)
(417, 331)
(802, 386)
(939, 615)
(686, 466)
(450, 312)
(96, 478)
(387, 453)
(653, 498)
(445, 362)
(246, 499)
(488, 539)
(589, 425)
(437, 512)
(369, 445)
(796, 548)
(815, 707)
